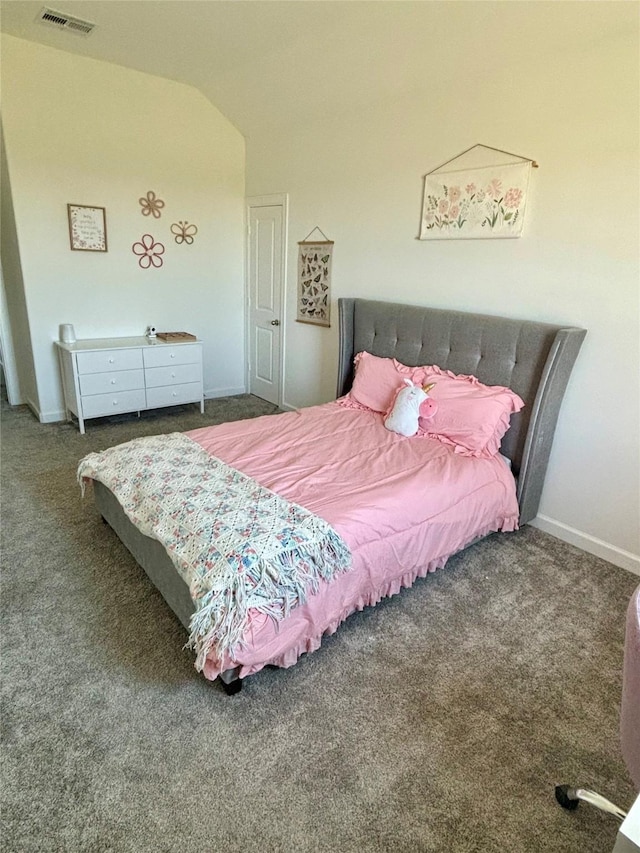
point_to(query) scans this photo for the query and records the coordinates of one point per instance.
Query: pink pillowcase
(377, 381)
(470, 416)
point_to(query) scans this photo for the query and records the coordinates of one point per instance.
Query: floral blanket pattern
(236, 544)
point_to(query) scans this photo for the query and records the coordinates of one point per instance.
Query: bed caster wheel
(566, 801)
(232, 687)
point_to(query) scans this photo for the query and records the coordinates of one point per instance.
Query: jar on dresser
(108, 376)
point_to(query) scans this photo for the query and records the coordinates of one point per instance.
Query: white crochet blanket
(236, 544)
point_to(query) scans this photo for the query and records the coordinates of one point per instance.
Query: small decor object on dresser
(175, 337)
(67, 333)
(87, 228)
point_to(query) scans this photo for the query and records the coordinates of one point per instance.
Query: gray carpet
(439, 721)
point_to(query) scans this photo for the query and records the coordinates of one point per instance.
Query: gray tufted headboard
(533, 359)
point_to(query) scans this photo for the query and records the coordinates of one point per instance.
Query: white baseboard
(224, 392)
(624, 559)
(52, 417)
(45, 417)
(60, 415)
(33, 407)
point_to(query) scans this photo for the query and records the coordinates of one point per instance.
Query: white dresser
(108, 376)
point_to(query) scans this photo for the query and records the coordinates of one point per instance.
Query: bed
(375, 492)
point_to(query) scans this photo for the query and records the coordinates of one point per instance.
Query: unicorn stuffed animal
(403, 417)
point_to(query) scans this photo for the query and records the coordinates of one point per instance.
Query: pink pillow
(470, 416)
(376, 381)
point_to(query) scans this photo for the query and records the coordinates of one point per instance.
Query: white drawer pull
(113, 381)
(115, 402)
(173, 376)
(173, 355)
(111, 360)
(174, 394)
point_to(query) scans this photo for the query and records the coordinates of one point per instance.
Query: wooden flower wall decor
(151, 205)
(149, 252)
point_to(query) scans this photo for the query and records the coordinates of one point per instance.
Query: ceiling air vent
(65, 22)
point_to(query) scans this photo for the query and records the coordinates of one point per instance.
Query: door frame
(281, 200)
(6, 346)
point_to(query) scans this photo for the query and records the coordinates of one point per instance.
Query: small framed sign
(87, 228)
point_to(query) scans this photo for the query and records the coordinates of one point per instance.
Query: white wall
(359, 177)
(86, 132)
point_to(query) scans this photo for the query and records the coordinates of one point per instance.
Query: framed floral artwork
(87, 228)
(475, 203)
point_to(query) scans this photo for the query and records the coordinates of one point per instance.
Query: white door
(266, 216)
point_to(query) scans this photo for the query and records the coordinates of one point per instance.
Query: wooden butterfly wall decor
(314, 282)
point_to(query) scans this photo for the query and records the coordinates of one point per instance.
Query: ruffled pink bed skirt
(281, 644)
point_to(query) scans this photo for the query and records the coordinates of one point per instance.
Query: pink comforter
(402, 505)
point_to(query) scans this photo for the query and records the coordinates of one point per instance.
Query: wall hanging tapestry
(471, 203)
(314, 280)
(87, 228)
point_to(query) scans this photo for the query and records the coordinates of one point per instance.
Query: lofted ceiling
(261, 61)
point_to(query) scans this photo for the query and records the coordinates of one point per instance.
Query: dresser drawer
(99, 405)
(106, 383)
(178, 374)
(164, 355)
(106, 361)
(172, 395)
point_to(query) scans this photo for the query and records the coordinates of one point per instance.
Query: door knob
(275, 322)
